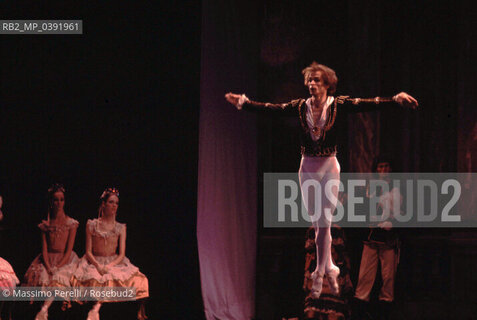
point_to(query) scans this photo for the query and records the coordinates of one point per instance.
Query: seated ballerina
(57, 262)
(8, 278)
(101, 266)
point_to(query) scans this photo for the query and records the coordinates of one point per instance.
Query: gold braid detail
(332, 117)
(376, 100)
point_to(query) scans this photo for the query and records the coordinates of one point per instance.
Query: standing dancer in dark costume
(322, 119)
(382, 246)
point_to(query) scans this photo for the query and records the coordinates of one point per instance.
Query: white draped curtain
(227, 181)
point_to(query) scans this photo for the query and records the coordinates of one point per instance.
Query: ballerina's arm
(69, 246)
(44, 252)
(89, 250)
(122, 249)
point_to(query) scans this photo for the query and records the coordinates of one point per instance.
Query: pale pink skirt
(8, 279)
(37, 276)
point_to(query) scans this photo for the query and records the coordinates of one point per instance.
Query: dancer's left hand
(406, 100)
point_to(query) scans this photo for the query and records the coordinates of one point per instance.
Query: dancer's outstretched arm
(403, 99)
(241, 101)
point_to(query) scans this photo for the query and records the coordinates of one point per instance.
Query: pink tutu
(8, 279)
(124, 275)
(121, 272)
(37, 276)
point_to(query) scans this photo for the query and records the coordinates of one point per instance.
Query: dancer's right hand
(233, 98)
(103, 270)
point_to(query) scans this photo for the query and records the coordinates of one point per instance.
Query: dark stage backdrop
(377, 48)
(116, 106)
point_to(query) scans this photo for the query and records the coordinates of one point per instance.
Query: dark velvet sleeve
(291, 106)
(365, 104)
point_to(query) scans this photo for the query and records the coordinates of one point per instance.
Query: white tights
(320, 170)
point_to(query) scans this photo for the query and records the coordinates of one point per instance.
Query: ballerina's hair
(328, 74)
(104, 197)
(56, 187)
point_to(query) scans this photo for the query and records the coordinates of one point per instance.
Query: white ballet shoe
(42, 314)
(315, 274)
(93, 314)
(317, 286)
(332, 276)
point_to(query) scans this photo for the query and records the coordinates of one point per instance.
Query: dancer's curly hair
(329, 76)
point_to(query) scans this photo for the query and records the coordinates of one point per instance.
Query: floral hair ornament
(109, 191)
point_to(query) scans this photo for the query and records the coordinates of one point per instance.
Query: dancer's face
(111, 205)
(383, 169)
(316, 84)
(58, 201)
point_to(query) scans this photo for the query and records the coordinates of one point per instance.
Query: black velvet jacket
(335, 123)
